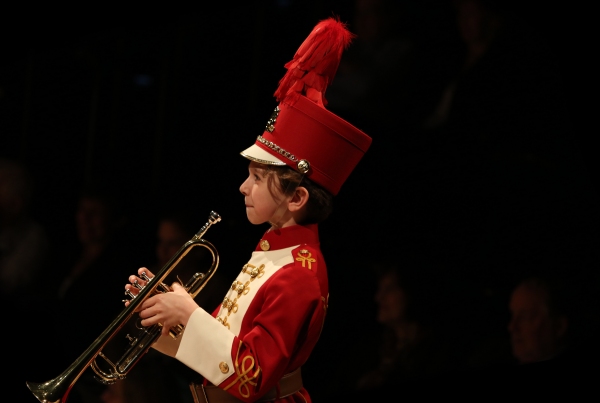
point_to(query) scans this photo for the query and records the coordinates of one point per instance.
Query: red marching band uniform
(253, 345)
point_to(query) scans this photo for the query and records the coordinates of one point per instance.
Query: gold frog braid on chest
(239, 289)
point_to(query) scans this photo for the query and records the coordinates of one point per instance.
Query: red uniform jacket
(268, 323)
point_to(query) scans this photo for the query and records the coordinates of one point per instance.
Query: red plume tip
(315, 63)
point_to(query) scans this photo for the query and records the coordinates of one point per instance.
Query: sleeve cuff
(206, 347)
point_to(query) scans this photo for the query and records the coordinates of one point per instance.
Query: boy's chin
(254, 220)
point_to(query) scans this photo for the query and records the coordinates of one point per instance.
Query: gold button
(303, 166)
(224, 367)
(264, 245)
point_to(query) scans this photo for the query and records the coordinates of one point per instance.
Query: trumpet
(57, 390)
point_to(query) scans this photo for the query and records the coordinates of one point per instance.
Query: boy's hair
(320, 201)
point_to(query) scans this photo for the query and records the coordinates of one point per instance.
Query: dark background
(159, 104)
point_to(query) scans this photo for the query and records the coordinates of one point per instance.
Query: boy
(252, 347)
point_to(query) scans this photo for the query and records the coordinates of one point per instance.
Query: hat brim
(257, 154)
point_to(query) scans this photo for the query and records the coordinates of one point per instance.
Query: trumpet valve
(132, 340)
(193, 281)
(176, 331)
(164, 287)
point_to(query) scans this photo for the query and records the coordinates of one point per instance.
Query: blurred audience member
(24, 255)
(409, 346)
(101, 254)
(500, 168)
(388, 81)
(23, 241)
(539, 321)
(171, 382)
(89, 295)
(174, 230)
(479, 24)
(373, 81)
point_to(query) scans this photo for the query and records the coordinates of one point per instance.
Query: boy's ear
(299, 199)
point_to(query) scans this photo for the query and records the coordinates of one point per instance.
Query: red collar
(290, 236)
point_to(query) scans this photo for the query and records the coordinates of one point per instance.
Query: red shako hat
(301, 133)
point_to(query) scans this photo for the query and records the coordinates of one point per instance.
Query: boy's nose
(243, 188)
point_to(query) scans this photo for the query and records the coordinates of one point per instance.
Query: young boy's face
(260, 202)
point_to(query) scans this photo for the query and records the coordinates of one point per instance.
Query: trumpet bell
(54, 391)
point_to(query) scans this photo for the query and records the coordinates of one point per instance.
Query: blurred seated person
(89, 294)
(24, 254)
(539, 324)
(173, 231)
(409, 347)
(169, 380)
(102, 248)
(24, 244)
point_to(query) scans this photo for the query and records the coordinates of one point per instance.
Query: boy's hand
(169, 309)
(139, 281)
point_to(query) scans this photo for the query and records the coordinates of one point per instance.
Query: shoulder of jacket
(307, 257)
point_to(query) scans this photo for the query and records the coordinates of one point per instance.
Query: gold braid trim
(242, 375)
(240, 289)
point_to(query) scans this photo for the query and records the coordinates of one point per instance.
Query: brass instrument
(57, 389)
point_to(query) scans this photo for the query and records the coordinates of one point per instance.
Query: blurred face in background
(370, 19)
(535, 335)
(391, 300)
(94, 221)
(477, 23)
(169, 239)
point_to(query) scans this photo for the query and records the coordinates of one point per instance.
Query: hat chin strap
(275, 220)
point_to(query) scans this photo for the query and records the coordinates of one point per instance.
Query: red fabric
(284, 320)
(303, 127)
(315, 63)
(332, 146)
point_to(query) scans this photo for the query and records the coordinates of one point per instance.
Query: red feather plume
(315, 63)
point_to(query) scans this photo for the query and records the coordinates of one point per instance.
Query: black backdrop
(160, 103)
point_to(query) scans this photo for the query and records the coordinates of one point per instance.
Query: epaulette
(306, 256)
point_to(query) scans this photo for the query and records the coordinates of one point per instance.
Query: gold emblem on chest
(239, 288)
